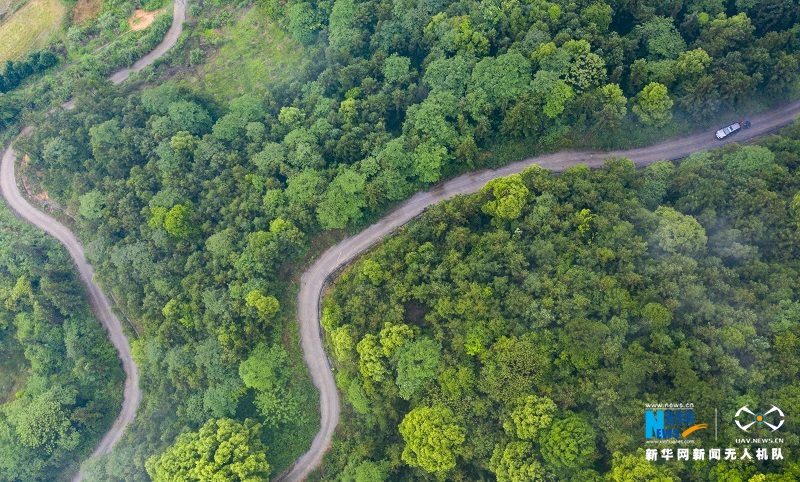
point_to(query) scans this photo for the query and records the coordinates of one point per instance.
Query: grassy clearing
(254, 54)
(85, 10)
(29, 28)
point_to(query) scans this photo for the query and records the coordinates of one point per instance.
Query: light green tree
(658, 315)
(553, 91)
(516, 463)
(587, 69)
(428, 158)
(509, 197)
(394, 336)
(396, 68)
(531, 415)
(568, 445)
(343, 200)
(183, 143)
(262, 369)
(178, 221)
(556, 98)
(43, 423)
(692, 63)
(291, 117)
(91, 205)
(613, 106)
(432, 439)
(267, 306)
(794, 207)
(343, 343)
(679, 233)
(222, 450)
(599, 14)
(417, 363)
(366, 471)
(371, 358)
(653, 105)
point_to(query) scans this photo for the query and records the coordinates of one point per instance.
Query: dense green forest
(517, 333)
(16, 72)
(198, 212)
(60, 379)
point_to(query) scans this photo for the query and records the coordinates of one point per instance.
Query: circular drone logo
(760, 418)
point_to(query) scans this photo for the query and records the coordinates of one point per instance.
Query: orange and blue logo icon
(665, 424)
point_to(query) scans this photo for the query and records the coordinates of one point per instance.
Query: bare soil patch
(142, 19)
(85, 10)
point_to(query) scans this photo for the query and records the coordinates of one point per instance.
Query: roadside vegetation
(60, 378)
(516, 334)
(198, 206)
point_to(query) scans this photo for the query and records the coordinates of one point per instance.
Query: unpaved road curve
(169, 41)
(314, 278)
(101, 308)
(97, 300)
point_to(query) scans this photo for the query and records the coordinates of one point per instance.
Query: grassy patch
(254, 54)
(30, 28)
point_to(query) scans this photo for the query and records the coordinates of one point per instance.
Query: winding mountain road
(314, 278)
(101, 308)
(169, 41)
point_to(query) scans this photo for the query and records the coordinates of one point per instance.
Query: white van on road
(732, 129)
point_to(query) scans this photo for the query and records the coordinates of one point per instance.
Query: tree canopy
(221, 450)
(199, 201)
(523, 347)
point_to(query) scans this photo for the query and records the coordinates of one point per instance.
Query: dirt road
(101, 308)
(97, 300)
(315, 277)
(169, 41)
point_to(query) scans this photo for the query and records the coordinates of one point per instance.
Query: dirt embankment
(141, 19)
